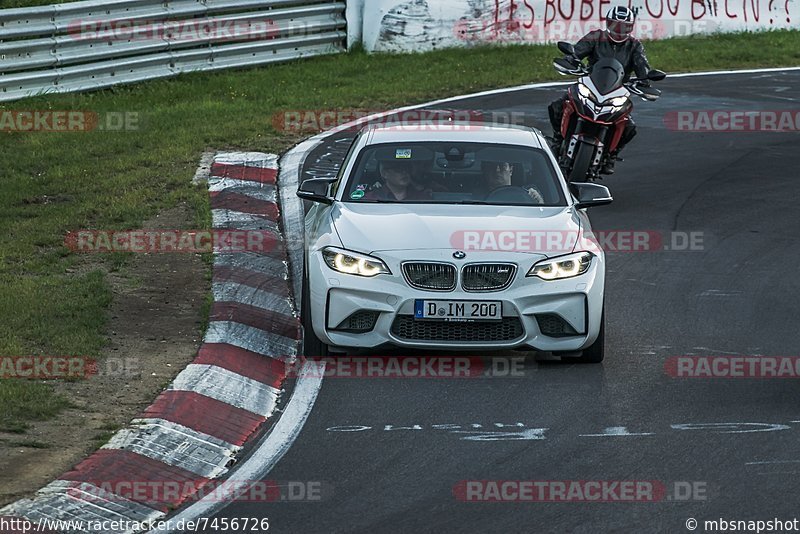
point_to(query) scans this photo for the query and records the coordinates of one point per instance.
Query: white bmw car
(459, 236)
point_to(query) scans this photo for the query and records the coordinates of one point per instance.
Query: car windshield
(454, 173)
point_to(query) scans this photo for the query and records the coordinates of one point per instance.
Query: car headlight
(584, 91)
(347, 262)
(562, 267)
(616, 102)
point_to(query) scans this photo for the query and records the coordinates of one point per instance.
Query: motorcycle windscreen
(607, 75)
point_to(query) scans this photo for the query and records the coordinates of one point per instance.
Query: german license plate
(458, 310)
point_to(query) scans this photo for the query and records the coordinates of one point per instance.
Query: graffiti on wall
(416, 25)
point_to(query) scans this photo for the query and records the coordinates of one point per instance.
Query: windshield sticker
(357, 194)
(402, 153)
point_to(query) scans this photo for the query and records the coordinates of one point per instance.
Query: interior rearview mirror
(590, 195)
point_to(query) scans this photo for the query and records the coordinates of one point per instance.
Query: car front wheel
(595, 352)
(313, 347)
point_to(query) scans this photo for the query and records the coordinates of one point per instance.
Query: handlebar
(568, 65)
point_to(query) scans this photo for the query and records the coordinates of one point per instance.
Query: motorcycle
(596, 111)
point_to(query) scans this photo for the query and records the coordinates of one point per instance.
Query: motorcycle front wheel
(584, 153)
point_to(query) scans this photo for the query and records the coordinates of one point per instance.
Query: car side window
(340, 181)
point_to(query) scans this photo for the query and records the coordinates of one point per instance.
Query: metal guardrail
(99, 43)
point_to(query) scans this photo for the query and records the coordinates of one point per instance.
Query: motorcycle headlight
(585, 92)
(347, 262)
(562, 267)
(616, 102)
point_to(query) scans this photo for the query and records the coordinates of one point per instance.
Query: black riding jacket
(596, 45)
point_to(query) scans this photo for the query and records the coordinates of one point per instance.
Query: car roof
(453, 131)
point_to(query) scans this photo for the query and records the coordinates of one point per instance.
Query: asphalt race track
(738, 439)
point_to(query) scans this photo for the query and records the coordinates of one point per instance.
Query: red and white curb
(193, 431)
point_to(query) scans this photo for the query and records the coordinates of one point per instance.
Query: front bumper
(529, 306)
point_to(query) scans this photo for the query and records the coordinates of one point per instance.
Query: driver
(396, 184)
(616, 42)
(499, 174)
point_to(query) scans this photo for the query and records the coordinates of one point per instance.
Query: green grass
(54, 302)
(27, 401)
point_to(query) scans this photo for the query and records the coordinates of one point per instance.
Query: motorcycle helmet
(619, 23)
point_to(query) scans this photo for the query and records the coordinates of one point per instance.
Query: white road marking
(767, 462)
(519, 431)
(716, 351)
(719, 293)
(733, 427)
(616, 431)
(529, 434)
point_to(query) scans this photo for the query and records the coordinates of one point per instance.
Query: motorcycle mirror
(564, 66)
(566, 48)
(656, 75)
(650, 93)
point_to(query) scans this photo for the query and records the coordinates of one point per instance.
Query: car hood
(372, 228)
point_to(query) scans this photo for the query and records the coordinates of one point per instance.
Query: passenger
(500, 174)
(397, 184)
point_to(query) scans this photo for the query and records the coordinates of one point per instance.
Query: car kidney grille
(431, 276)
(407, 328)
(487, 276)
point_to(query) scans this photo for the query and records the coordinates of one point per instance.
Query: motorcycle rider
(617, 42)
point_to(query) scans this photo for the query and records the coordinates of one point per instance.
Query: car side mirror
(566, 48)
(590, 195)
(656, 75)
(316, 190)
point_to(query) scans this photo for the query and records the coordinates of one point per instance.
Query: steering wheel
(510, 193)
